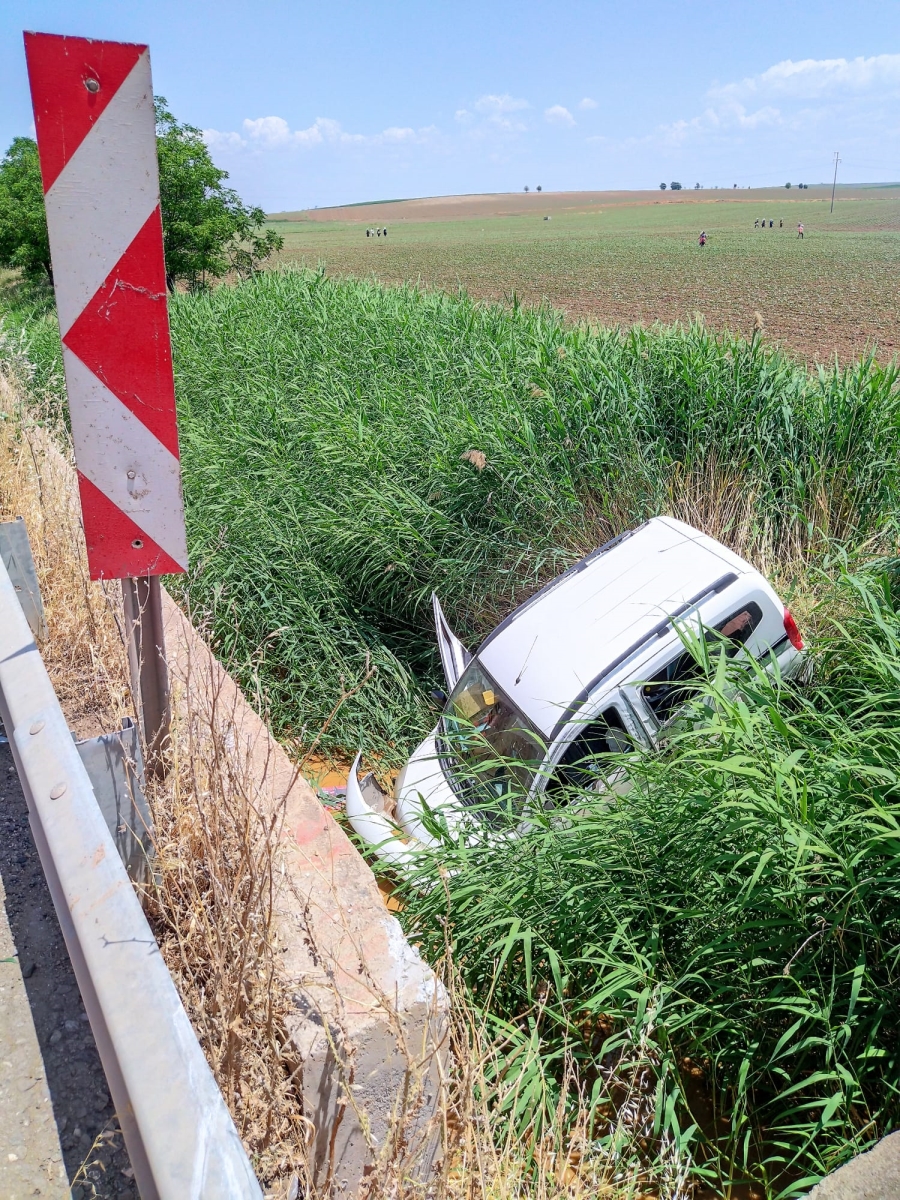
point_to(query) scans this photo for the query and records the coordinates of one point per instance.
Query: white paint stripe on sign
(105, 194)
(122, 458)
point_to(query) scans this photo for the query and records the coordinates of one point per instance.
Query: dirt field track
(625, 257)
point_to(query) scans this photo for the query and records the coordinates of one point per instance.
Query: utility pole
(834, 185)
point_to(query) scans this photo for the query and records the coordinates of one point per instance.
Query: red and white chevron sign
(93, 109)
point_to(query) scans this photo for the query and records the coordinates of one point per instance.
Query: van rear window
(665, 691)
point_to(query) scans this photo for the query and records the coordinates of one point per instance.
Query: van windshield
(491, 745)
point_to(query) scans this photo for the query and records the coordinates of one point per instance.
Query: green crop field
(623, 258)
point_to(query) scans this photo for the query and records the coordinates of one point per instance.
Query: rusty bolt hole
(92, 85)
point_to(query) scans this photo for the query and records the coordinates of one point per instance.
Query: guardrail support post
(147, 661)
(15, 552)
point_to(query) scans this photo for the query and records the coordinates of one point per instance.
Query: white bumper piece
(376, 828)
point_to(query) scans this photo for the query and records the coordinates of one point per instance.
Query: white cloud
(224, 141)
(587, 102)
(720, 119)
(274, 133)
(811, 78)
(793, 96)
(557, 115)
(398, 134)
(497, 114)
(499, 104)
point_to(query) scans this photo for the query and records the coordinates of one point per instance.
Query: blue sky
(346, 101)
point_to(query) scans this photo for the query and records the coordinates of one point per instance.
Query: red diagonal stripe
(122, 335)
(64, 109)
(110, 537)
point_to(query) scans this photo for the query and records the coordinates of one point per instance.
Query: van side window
(663, 693)
(578, 766)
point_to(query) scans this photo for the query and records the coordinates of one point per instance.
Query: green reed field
(699, 984)
(323, 427)
(623, 258)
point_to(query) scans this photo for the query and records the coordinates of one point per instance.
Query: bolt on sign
(96, 134)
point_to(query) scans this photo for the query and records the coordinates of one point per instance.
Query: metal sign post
(96, 133)
(147, 663)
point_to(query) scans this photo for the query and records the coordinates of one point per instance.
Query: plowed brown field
(626, 257)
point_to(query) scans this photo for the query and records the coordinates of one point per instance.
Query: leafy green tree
(787, 185)
(207, 229)
(662, 187)
(23, 225)
(675, 187)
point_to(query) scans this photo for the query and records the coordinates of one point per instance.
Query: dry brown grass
(213, 899)
(84, 652)
(211, 904)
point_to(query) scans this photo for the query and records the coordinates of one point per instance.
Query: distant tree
(734, 185)
(662, 187)
(787, 185)
(696, 187)
(526, 187)
(676, 187)
(207, 229)
(538, 187)
(23, 225)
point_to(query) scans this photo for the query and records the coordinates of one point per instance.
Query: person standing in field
(701, 240)
(800, 229)
(781, 222)
(756, 223)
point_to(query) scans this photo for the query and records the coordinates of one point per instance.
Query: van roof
(554, 646)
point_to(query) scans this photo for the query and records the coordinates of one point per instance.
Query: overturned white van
(592, 663)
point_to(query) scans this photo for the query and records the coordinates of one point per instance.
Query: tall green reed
(323, 428)
(729, 923)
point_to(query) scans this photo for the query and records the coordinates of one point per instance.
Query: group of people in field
(704, 236)
(376, 232)
(757, 223)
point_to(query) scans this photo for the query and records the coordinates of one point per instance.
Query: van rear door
(454, 656)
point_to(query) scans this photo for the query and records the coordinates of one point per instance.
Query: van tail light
(790, 628)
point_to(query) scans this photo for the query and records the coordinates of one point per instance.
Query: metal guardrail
(15, 554)
(180, 1136)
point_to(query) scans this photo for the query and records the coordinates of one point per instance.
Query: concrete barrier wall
(874, 1175)
(369, 1014)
